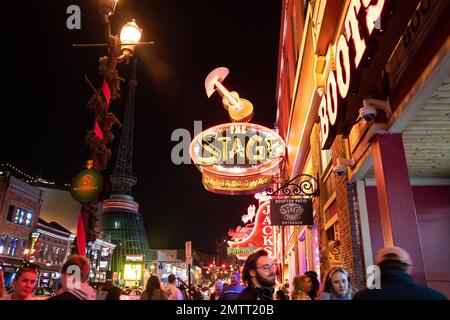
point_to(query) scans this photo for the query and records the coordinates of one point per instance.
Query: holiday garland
(104, 120)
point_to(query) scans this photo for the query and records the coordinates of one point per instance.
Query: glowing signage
(132, 272)
(237, 158)
(350, 50)
(260, 237)
(290, 211)
(86, 185)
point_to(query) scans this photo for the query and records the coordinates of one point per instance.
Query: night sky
(44, 115)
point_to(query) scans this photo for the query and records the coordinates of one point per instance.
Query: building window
(12, 248)
(29, 217)
(23, 246)
(116, 224)
(20, 216)
(10, 215)
(3, 242)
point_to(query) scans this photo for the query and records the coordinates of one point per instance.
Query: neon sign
(350, 50)
(261, 236)
(237, 158)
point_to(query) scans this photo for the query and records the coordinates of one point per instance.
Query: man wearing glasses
(24, 283)
(259, 274)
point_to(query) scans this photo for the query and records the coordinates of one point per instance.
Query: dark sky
(44, 115)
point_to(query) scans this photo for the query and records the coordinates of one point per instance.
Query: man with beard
(259, 274)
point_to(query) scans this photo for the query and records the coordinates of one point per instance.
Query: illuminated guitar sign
(261, 237)
(237, 158)
(239, 109)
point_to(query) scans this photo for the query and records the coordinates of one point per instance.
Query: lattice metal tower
(122, 222)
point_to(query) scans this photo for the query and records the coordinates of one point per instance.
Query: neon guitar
(239, 109)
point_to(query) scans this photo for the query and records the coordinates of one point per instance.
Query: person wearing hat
(396, 281)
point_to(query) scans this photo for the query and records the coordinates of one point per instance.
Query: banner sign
(289, 211)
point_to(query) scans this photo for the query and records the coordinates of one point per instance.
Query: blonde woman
(302, 286)
(338, 285)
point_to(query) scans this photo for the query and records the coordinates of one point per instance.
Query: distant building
(59, 206)
(100, 254)
(20, 204)
(50, 246)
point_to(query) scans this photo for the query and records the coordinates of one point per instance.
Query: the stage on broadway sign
(291, 211)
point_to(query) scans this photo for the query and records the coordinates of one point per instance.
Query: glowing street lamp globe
(129, 36)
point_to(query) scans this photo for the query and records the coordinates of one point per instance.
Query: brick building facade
(389, 163)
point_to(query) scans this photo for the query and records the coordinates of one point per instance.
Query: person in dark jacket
(75, 274)
(259, 274)
(113, 292)
(314, 293)
(396, 281)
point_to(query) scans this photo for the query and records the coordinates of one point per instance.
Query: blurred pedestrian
(314, 293)
(232, 291)
(153, 290)
(113, 292)
(75, 275)
(259, 275)
(218, 287)
(24, 283)
(337, 285)
(184, 291)
(280, 295)
(396, 282)
(196, 294)
(173, 293)
(302, 286)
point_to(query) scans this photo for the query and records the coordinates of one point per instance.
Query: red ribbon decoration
(81, 238)
(106, 91)
(98, 132)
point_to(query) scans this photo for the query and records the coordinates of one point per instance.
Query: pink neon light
(256, 237)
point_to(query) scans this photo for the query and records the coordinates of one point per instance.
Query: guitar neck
(225, 93)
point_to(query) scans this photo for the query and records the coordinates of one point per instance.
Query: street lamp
(119, 49)
(129, 37)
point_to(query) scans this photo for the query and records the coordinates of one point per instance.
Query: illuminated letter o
(332, 101)
(342, 67)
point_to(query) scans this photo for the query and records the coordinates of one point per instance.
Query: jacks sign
(290, 211)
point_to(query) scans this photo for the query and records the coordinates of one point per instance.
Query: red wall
(433, 215)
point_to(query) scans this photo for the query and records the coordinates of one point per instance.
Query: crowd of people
(258, 277)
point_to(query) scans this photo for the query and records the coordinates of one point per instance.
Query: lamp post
(119, 49)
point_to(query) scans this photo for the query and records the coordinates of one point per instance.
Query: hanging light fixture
(129, 37)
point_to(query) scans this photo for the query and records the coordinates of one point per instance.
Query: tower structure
(122, 221)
